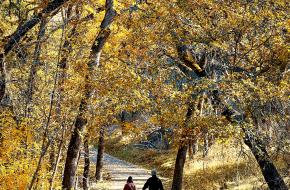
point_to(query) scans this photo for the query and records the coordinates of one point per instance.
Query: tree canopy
(207, 69)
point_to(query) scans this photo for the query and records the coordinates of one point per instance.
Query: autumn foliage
(212, 71)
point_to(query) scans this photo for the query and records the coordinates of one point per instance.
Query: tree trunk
(181, 155)
(2, 78)
(75, 141)
(100, 156)
(270, 173)
(258, 149)
(87, 163)
(190, 150)
(179, 165)
(195, 146)
(25, 27)
(77, 177)
(123, 121)
(74, 148)
(165, 143)
(205, 145)
(52, 157)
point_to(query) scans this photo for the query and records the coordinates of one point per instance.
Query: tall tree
(181, 153)
(75, 141)
(223, 44)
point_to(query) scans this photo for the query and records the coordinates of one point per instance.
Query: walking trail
(120, 170)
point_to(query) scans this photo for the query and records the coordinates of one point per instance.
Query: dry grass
(223, 168)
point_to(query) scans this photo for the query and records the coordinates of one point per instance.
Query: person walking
(153, 183)
(129, 185)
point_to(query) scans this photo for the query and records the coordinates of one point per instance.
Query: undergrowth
(223, 168)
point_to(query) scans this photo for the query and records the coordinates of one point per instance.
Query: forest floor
(117, 171)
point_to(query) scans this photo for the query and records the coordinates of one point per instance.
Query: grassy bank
(225, 167)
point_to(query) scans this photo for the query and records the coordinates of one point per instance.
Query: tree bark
(74, 148)
(190, 150)
(179, 165)
(75, 141)
(87, 163)
(269, 171)
(205, 145)
(123, 122)
(258, 149)
(195, 146)
(2, 78)
(100, 156)
(181, 155)
(52, 157)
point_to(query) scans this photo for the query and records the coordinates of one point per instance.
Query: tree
(19, 34)
(75, 142)
(222, 44)
(206, 70)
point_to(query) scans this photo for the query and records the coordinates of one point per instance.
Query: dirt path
(120, 170)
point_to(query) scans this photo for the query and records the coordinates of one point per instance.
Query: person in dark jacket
(153, 183)
(129, 185)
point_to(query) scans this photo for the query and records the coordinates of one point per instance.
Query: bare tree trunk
(123, 119)
(195, 146)
(181, 155)
(86, 174)
(205, 145)
(258, 149)
(73, 149)
(75, 141)
(179, 165)
(269, 171)
(52, 157)
(100, 156)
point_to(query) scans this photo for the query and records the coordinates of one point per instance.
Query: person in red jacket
(129, 185)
